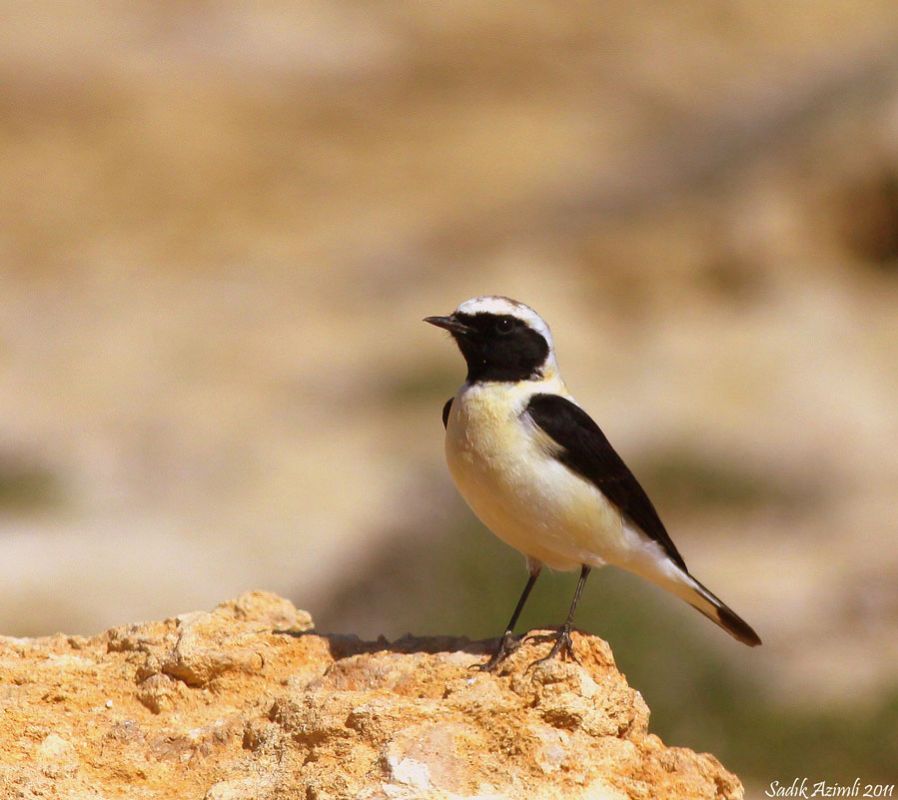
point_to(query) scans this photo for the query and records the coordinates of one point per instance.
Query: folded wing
(584, 449)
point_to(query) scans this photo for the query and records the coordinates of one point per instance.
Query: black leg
(506, 646)
(563, 644)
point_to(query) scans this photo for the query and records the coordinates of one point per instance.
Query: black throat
(501, 348)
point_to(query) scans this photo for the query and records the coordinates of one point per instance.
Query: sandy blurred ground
(221, 224)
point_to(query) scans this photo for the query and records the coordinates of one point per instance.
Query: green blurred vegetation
(699, 684)
(681, 477)
(422, 384)
(27, 487)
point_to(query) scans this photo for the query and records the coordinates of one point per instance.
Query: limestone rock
(247, 703)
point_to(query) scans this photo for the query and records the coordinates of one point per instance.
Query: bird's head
(500, 339)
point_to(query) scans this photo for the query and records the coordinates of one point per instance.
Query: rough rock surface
(245, 703)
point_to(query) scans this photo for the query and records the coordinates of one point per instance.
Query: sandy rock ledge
(245, 703)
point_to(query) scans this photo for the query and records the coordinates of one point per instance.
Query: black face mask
(500, 347)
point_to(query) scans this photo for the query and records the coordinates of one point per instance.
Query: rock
(247, 703)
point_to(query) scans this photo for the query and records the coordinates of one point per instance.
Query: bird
(539, 473)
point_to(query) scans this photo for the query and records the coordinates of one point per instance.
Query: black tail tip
(738, 627)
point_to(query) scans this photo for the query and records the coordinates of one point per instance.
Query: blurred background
(221, 225)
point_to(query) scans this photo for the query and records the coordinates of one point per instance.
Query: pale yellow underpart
(503, 466)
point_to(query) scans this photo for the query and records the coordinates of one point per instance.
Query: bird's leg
(563, 645)
(507, 644)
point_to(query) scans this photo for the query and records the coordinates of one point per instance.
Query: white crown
(496, 304)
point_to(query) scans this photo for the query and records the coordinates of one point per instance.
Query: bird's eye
(504, 325)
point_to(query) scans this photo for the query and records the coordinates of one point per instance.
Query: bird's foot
(507, 645)
(563, 646)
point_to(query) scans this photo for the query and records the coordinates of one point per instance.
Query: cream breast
(503, 467)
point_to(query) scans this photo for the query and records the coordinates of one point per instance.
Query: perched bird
(540, 474)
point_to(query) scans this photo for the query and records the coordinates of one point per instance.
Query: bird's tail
(702, 599)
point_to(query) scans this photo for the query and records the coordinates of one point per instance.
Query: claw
(507, 645)
(542, 638)
(564, 646)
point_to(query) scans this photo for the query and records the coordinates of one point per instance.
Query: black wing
(446, 411)
(585, 450)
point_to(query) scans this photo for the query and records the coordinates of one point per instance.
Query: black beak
(451, 324)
